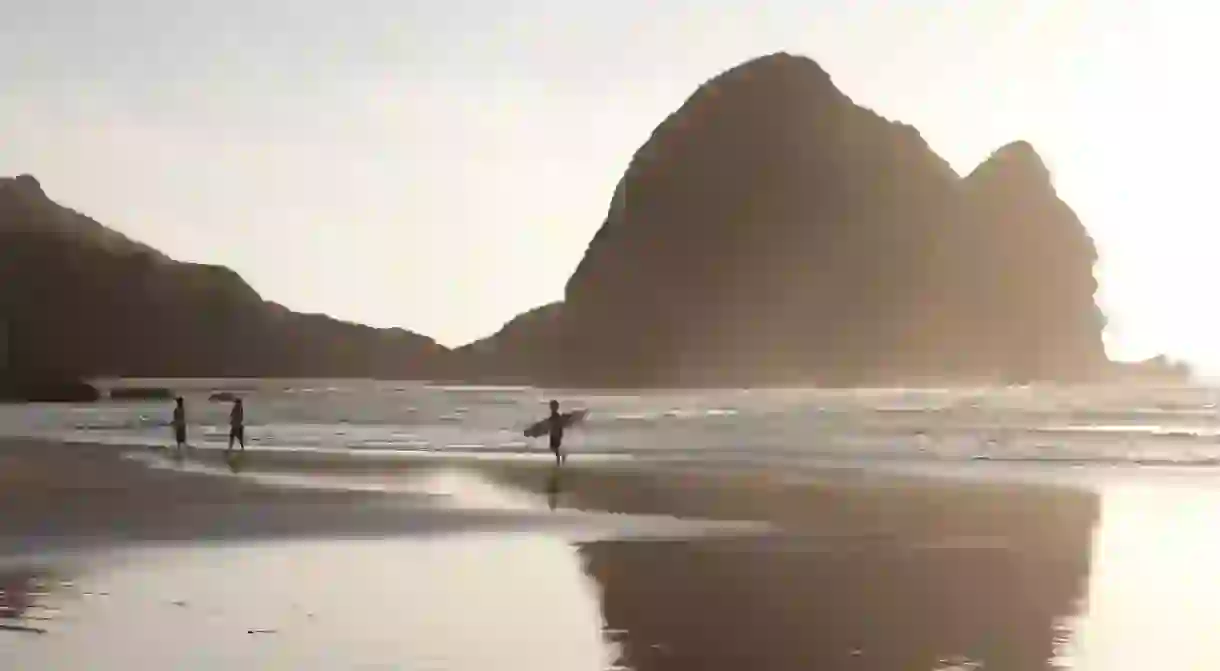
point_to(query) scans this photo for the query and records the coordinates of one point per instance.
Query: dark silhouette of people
(556, 431)
(180, 423)
(237, 425)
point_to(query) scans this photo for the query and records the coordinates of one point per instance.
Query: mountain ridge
(80, 299)
(769, 231)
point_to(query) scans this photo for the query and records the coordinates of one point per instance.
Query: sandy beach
(133, 559)
(115, 558)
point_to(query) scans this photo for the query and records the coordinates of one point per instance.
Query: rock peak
(24, 184)
(1017, 159)
(779, 60)
(778, 69)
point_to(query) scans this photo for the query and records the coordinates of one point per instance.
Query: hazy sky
(442, 165)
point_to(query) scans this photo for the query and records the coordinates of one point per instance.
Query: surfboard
(543, 427)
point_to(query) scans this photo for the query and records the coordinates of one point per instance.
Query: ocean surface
(1064, 425)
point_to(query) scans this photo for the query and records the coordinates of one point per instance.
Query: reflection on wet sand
(503, 601)
(881, 603)
(554, 487)
(236, 461)
(865, 575)
(535, 602)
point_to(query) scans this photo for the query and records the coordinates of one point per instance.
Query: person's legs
(241, 438)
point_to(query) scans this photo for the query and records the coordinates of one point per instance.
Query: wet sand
(58, 496)
(469, 564)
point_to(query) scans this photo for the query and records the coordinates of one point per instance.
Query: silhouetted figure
(552, 426)
(556, 432)
(180, 423)
(237, 425)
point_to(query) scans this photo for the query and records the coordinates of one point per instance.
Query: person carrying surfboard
(552, 426)
(556, 430)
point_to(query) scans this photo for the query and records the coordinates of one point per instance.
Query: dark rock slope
(512, 355)
(79, 299)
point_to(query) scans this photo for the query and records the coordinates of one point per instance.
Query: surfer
(237, 425)
(552, 426)
(555, 425)
(180, 422)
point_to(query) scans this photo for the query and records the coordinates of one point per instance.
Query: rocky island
(773, 231)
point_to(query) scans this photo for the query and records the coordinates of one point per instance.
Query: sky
(442, 166)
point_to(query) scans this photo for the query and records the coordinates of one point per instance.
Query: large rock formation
(1030, 263)
(772, 231)
(79, 299)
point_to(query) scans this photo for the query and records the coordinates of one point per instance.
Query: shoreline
(72, 496)
(75, 490)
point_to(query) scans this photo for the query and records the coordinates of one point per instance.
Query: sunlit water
(1102, 425)
(1133, 584)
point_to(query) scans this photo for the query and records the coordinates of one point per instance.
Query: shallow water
(1058, 425)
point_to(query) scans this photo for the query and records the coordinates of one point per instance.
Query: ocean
(1064, 425)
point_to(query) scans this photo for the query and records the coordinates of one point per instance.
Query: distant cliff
(772, 231)
(79, 299)
(512, 355)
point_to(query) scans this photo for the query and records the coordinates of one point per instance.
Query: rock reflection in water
(801, 603)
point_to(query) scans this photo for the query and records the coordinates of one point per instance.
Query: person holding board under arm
(556, 422)
(553, 426)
